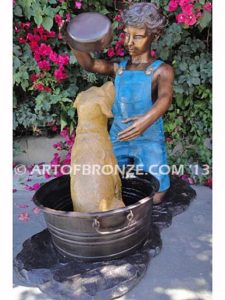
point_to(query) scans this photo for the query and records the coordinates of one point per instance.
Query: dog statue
(95, 182)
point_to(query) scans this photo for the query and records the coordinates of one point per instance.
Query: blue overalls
(133, 98)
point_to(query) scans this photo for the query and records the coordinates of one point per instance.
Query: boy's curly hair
(145, 15)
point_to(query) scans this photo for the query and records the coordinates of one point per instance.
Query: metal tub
(100, 235)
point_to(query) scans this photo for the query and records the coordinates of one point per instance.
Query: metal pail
(100, 235)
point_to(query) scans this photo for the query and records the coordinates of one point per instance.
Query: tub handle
(96, 225)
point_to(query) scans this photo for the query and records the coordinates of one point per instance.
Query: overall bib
(133, 97)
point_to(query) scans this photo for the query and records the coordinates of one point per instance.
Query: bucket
(100, 235)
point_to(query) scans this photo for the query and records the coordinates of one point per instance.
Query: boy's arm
(90, 64)
(165, 94)
(87, 61)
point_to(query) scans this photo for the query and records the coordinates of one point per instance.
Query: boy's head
(147, 16)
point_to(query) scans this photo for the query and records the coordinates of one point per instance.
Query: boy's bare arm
(90, 64)
(165, 76)
(165, 92)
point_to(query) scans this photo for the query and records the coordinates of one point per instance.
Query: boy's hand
(136, 129)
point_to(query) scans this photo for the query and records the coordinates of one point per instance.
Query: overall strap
(122, 66)
(123, 63)
(153, 66)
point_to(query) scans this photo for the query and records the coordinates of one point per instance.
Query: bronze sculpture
(99, 187)
(143, 24)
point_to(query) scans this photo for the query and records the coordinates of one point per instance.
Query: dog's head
(102, 96)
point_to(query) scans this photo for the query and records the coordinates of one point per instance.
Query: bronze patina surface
(93, 190)
(89, 32)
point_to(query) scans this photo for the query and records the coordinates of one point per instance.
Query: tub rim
(91, 214)
(62, 213)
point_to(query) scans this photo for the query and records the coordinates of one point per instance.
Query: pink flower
(121, 27)
(25, 25)
(118, 18)
(64, 132)
(56, 160)
(187, 9)
(30, 37)
(58, 19)
(22, 205)
(78, 4)
(59, 73)
(40, 29)
(153, 53)
(34, 187)
(63, 59)
(34, 77)
(111, 52)
(68, 17)
(36, 37)
(37, 57)
(33, 45)
(169, 139)
(184, 2)
(24, 217)
(173, 5)
(119, 52)
(198, 13)
(187, 178)
(58, 145)
(39, 86)
(50, 34)
(47, 175)
(36, 210)
(45, 49)
(60, 37)
(180, 18)
(208, 182)
(54, 128)
(16, 28)
(21, 40)
(59, 174)
(44, 65)
(190, 20)
(207, 6)
(48, 89)
(53, 57)
(122, 35)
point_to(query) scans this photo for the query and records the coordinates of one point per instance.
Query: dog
(95, 182)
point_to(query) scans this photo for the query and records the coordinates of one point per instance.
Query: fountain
(98, 255)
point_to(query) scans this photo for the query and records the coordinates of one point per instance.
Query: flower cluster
(44, 55)
(191, 10)
(58, 161)
(118, 49)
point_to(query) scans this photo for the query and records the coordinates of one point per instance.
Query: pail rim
(90, 214)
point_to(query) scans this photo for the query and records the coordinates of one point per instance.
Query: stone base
(40, 264)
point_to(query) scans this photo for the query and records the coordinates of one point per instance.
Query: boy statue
(143, 93)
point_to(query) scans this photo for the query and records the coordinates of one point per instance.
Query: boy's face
(137, 40)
